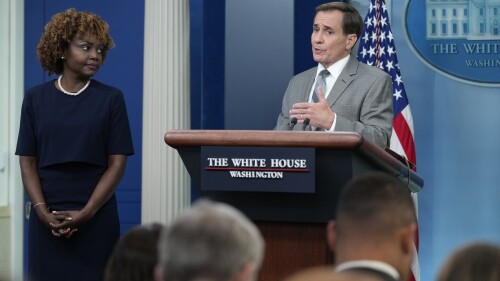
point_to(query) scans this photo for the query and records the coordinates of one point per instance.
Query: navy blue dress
(72, 137)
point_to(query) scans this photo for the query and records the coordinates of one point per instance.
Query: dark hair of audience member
(135, 255)
(377, 203)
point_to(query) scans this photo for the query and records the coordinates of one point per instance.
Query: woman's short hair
(62, 28)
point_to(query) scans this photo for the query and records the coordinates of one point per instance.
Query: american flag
(376, 48)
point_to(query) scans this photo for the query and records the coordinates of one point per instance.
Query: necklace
(70, 93)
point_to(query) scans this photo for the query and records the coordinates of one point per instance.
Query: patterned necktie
(320, 83)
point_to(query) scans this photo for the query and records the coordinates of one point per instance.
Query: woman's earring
(62, 57)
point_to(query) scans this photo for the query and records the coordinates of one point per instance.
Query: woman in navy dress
(74, 139)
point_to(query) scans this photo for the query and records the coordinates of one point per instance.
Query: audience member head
(135, 255)
(376, 220)
(477, 261)
(211, 242)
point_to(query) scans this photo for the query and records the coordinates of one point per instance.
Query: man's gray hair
(211, 241)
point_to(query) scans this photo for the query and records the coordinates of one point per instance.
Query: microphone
(306, 122)
(292, 123)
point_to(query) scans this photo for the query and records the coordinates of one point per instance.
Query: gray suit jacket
(361, 99)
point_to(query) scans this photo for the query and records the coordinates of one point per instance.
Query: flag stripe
(406, 112)
(405, 137)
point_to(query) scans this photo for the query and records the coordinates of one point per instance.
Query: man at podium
(340, 94)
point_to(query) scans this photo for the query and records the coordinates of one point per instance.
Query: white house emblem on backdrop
(457, 38)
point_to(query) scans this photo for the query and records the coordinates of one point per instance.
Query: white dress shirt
(372, 264)
(335, 70)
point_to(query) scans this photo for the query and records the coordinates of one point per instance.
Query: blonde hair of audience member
(376, 220)
(210, 241)
(135, 255)
(477, 261)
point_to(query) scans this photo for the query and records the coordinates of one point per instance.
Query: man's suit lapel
(345, 78)
(306, 90)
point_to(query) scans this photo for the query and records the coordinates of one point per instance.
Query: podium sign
(258, 169)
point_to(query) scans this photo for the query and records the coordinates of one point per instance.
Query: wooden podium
(293, 224)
